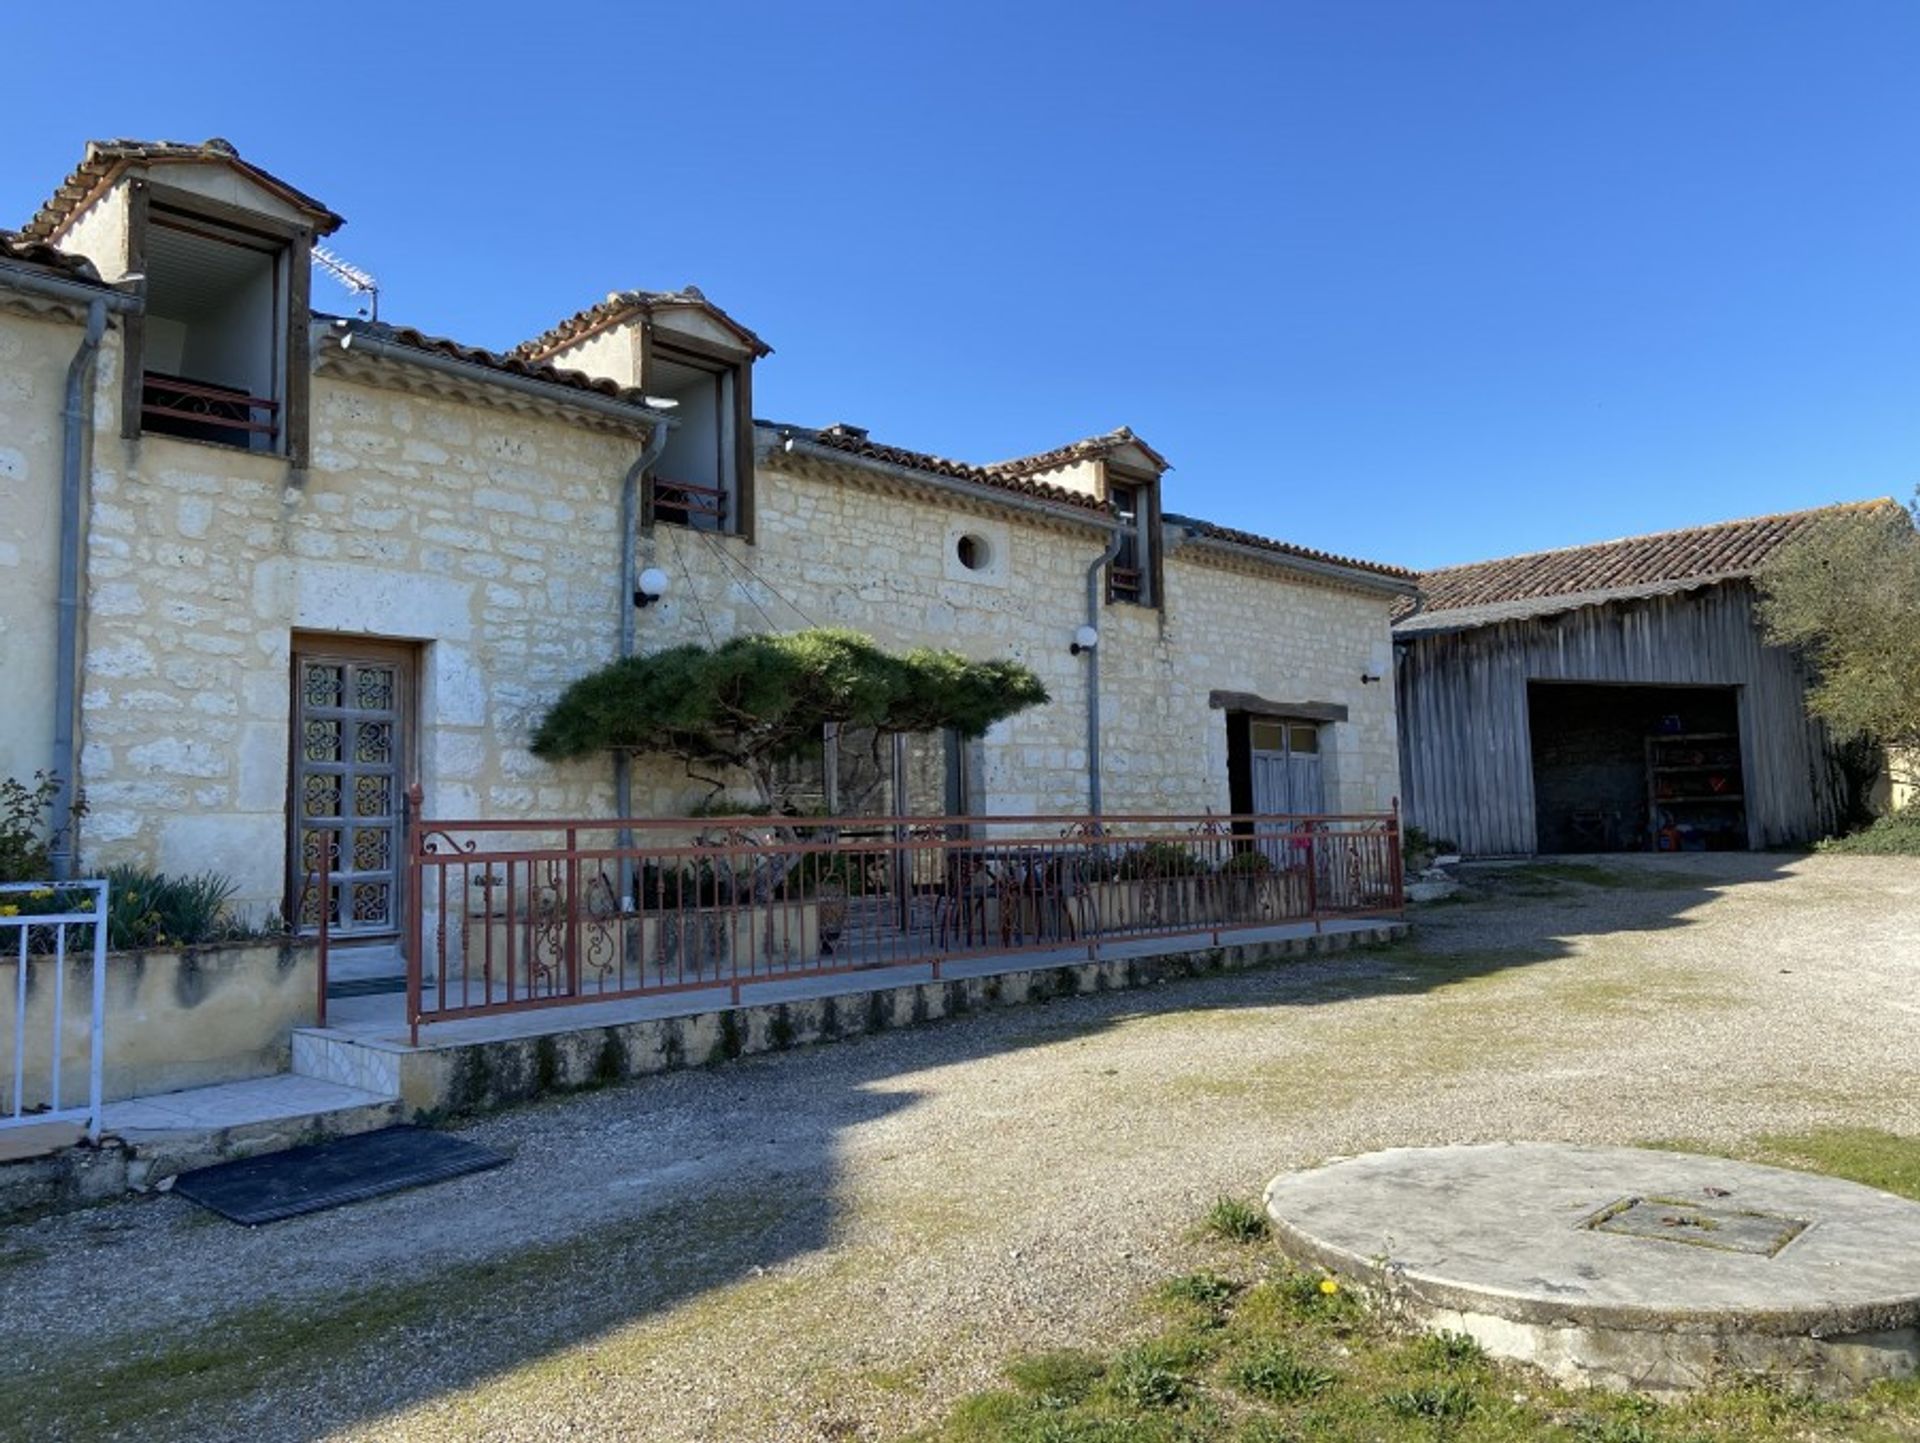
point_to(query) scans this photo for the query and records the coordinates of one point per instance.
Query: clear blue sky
(1424, 282)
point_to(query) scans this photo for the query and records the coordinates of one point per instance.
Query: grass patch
(1263, 1352)
(1235, 1220)
(1279, 1375)
(1548, 878)
(1866, 1155)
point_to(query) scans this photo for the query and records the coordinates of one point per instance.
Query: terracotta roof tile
(621, 304)
(1699, 553)
(491, 360)
(106, 158)
(1090, 448)
(853, 441)
(15, 246)
(1209, 531)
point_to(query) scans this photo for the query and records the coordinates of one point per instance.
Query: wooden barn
(1615, 697)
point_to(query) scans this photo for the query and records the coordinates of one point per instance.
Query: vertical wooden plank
(298, 393)
(133, 325)
(743, 448)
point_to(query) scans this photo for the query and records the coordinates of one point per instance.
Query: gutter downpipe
(1093, 670)
(77, 420)
(629, 538)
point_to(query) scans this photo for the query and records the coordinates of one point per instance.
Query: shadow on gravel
(716, 1178)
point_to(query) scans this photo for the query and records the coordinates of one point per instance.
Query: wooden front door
(352, 727)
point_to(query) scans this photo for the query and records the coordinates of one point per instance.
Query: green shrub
(1895, 835)
(1418, 848)
(146, 908)
(1250, 863)
(1151, 861)
(26, 834)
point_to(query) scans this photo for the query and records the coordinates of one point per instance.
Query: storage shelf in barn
(1693, 816)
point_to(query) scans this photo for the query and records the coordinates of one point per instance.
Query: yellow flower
(9, 910)
(1329, 1286)
(40, 894)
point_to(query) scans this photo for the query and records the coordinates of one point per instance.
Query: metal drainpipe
(629, 537)
(78, 419)
(1093, 671)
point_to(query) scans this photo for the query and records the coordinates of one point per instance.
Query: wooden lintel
(1246, 701)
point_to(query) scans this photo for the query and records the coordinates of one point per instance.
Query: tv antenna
(352, 278)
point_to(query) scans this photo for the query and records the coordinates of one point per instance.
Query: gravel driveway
(833, 1243)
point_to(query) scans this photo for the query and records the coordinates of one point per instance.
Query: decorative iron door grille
(349, 791)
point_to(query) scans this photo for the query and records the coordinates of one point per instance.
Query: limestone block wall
(34, 354)
(488, 537)
(1234, 628)
(484, 535)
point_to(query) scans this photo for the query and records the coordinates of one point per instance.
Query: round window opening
(974, 552)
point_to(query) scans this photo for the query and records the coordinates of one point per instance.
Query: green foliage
(1155, 861)
(1418, 848)
(1250, 863)
(25, 827)
(1438, 1401)
(150, 909)
(1200, 1290)
(1150, 1376)
(1883, 1160)
(1847, 597)
(755, 701)
(1445, 1351)
(1285, 1361)
(1895, 835)
(1235, 1220)
(1057, 1379)
(1276, 1373)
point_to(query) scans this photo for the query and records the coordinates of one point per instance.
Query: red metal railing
(508, 916)
(681, 501)
(194, 408)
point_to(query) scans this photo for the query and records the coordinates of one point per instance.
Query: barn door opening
(1636, 768)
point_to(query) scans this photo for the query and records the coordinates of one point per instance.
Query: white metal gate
(46, 931)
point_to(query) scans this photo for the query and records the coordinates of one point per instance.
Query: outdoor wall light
(1085, 638)
(653, 586)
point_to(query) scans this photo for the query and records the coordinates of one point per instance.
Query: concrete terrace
(362, 1071)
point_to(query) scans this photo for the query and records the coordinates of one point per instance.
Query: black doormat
(325, 1175)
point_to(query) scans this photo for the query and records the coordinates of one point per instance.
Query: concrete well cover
(1559, 1254)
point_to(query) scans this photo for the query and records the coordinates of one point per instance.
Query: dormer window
(1133, 575)
(219, 355)
(214, 356)
(703, 478)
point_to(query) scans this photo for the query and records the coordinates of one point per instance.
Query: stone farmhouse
(264, 568)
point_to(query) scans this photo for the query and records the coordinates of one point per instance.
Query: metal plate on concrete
(1697, 1224)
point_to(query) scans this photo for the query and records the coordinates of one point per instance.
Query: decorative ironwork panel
(349, 783)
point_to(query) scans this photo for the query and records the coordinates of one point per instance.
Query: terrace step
(173, 1132)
